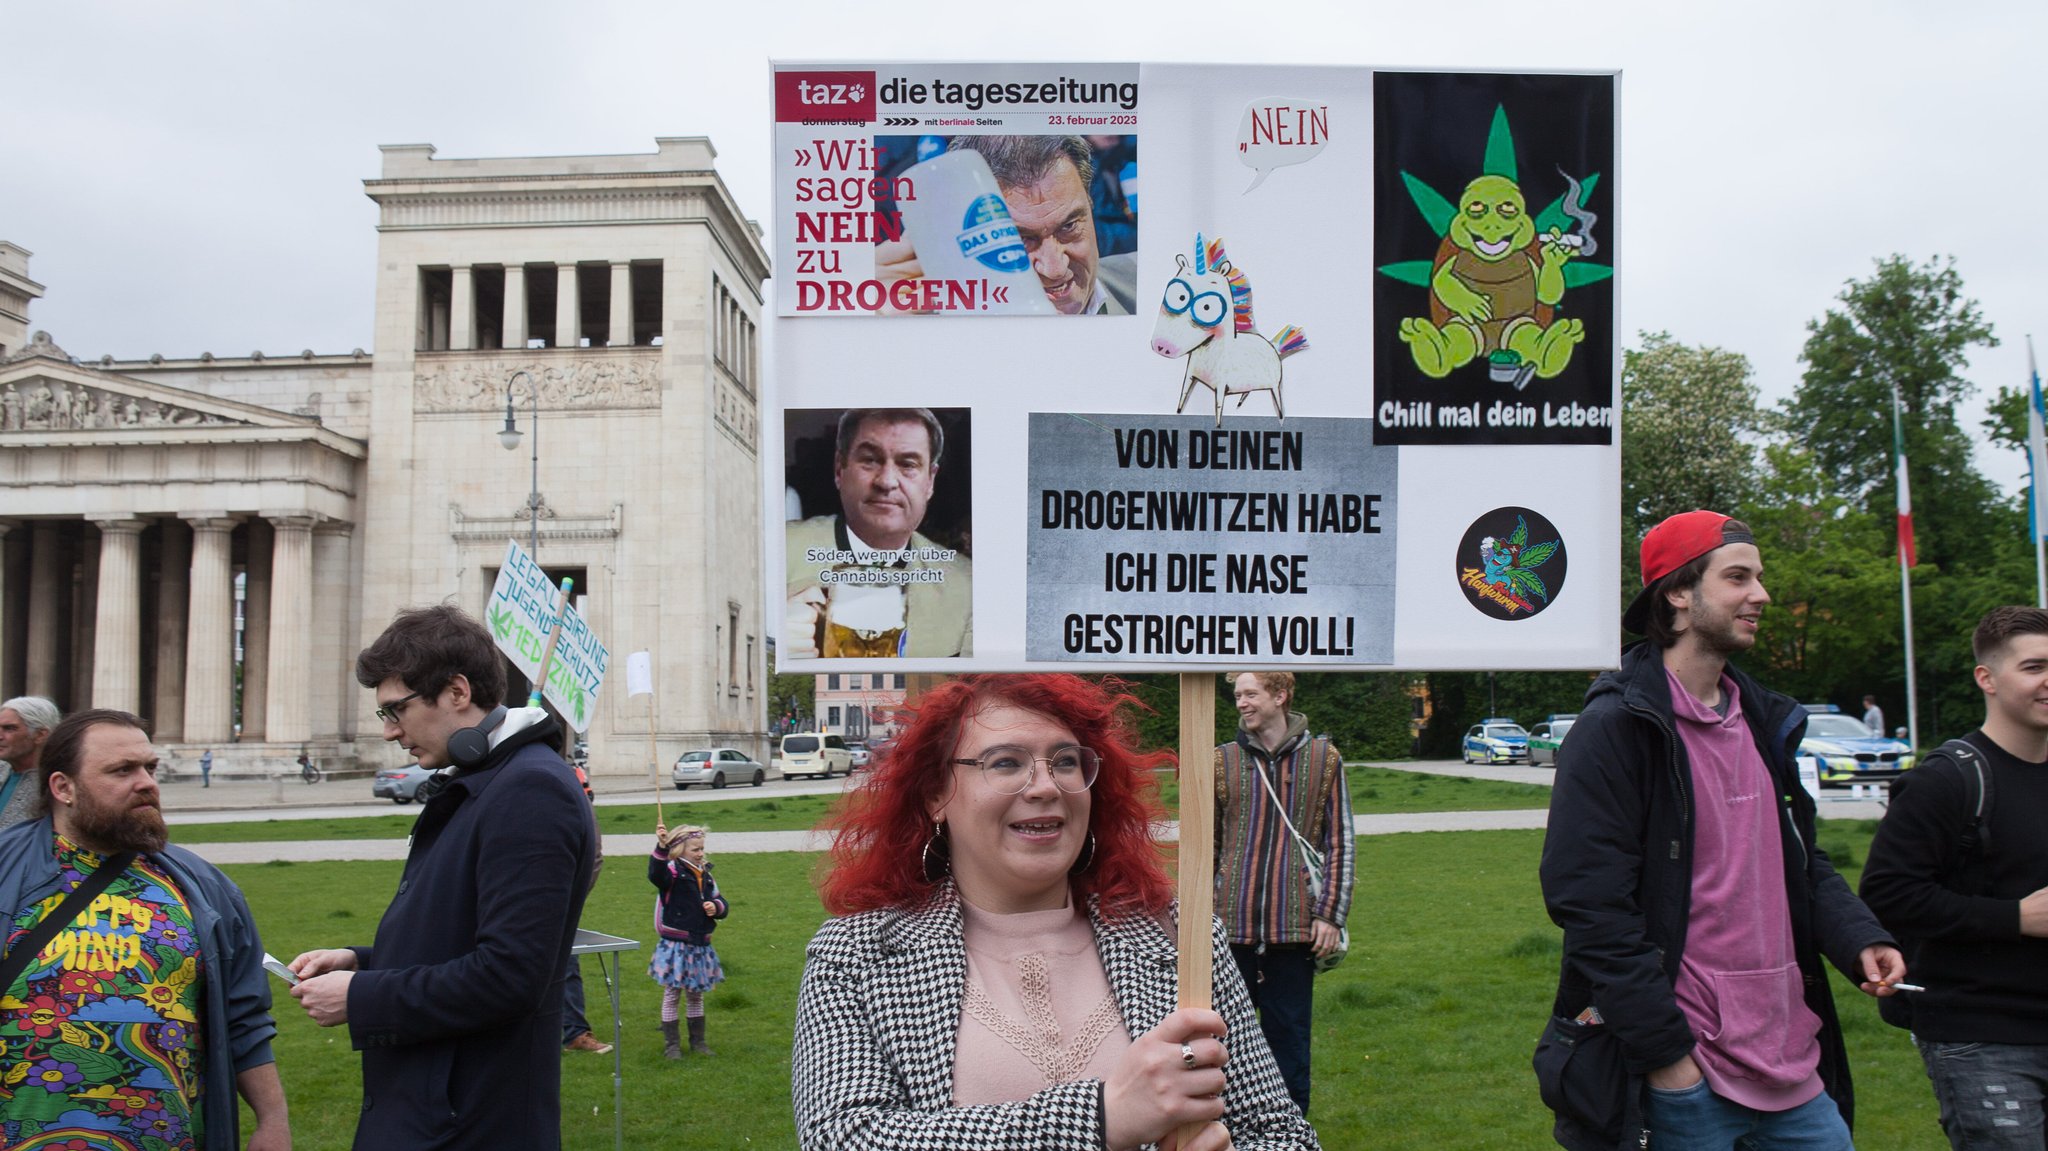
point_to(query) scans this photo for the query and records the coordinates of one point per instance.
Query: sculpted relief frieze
(473, 385)
(54, 406)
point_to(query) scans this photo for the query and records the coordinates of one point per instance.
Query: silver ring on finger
(1187, 1056)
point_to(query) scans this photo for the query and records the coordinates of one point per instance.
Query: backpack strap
(46, 929)
(1970, 846)
(1977, 838)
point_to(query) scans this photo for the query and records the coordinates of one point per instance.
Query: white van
(815, 753)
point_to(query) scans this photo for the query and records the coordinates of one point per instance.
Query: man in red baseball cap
(1681, 863)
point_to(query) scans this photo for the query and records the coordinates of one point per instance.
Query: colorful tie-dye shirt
(99, 1041)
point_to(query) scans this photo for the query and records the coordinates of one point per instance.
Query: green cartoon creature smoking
(1499, 274)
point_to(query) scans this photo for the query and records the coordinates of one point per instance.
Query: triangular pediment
(40, 395)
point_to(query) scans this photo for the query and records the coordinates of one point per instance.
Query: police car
(1545, 737)
(1850, 752)
(1496, 740)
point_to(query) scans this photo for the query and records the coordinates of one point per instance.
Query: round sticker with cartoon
(1511, 563)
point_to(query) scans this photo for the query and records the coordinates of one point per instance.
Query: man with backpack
(1959, 871)
(1280, 796)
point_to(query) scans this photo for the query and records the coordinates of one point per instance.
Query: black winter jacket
(679, 911)
(1617, 874)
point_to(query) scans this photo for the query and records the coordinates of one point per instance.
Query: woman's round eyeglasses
(1010, 770)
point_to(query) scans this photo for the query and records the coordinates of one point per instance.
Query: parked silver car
(716, 767)
(399, 784)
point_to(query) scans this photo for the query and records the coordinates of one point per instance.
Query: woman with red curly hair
(1001, 971)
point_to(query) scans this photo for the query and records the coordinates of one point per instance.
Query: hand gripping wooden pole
(1197, 842)
(547, 654)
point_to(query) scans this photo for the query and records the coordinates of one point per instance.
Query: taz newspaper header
(934, 189)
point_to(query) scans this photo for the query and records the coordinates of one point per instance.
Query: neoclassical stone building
(210, 540)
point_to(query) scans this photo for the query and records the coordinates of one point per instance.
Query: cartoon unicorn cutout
(1229, 361)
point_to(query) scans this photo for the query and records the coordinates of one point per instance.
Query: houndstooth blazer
(879, 1014)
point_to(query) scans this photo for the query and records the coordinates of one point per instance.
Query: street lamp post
(508, 436)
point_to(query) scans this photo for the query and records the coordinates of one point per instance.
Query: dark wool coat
(457, 1008)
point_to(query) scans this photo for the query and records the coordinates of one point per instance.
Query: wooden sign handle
(547, 654)
(1197, 843)
(653, 756)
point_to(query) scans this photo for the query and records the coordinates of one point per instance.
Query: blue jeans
(573, 1021)
(1696, 1119)
(1282, 984)
(1990, 1093)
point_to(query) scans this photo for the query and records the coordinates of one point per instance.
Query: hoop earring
(937, 864)
(1086, 859)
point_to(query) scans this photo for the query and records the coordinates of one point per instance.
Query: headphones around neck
(469, 747)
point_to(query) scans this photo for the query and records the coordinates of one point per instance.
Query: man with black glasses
(457, 1006)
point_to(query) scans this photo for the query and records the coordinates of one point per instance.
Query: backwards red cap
(1673, 544)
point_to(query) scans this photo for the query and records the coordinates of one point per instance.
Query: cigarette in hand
(1907, 987)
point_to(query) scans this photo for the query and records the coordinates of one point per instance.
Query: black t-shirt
(1986, 983)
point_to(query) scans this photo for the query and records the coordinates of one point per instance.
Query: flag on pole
(1906, 551)
(2037, 447)
(639, 674)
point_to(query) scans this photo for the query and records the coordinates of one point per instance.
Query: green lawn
(783, 813)
(1422, 1037)
(1386, 791)
(302, 906)
(1374, 790)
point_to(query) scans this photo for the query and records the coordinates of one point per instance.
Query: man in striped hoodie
(1273, 782)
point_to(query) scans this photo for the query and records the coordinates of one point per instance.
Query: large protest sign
(1344, 394)
(520, 614)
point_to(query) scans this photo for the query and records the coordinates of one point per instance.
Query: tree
(1909, 329)
(1831, 631)
(1365, 713)
(1459, 699)
(2006, 423)
(1692, 421)
(791, 696)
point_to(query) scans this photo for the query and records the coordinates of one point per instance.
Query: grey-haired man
(25, 722)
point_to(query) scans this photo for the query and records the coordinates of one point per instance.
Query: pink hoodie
(1739, 983)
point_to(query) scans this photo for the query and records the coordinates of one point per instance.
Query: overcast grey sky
(189, 176)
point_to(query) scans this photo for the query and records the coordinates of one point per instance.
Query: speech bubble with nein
(1277, 132)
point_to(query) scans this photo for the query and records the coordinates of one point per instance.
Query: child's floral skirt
(685, 966)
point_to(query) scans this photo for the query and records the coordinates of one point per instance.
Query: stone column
(568, 307)
(461, 310)
(515, 307)
(14, 610)
(256, 615)
(210, 640)
(622, 305)
(7, 636)
(85, 596)
(46, 582)
(437, 324)
(334, 694)
(173, 600)
(290, 718)
(117, 641)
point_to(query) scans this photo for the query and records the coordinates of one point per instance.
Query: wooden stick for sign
(1197, 842)
(547, 654)
(653, 757)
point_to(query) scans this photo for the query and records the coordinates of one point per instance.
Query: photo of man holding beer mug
(863, 582)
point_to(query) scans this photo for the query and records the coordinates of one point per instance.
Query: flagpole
(1905, 520)
(2037, 475)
